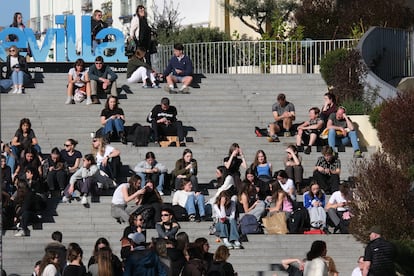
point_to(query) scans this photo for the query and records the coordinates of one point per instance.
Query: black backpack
(249, 225)
(216, 269)
(298, 221)
(139, 135)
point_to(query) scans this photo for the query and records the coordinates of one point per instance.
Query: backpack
(216, 269)
(298, 221)
(249, 225)
(139, 135)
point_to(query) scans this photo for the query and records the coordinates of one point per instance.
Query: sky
(9, 7)
(185, 7)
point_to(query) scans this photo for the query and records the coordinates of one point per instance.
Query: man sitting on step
(164, 122)
(284, 115)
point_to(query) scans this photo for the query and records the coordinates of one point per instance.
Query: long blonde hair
(104, 261)
(101, 147)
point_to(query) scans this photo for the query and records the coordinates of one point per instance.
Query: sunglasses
(140, 219)
(165, 215)
(65, 145)
(94, 140)
(98, 62)
(12, 50)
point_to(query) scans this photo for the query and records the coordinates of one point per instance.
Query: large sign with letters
(63, 40)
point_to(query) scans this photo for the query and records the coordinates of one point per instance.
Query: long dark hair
(132, 180)
(318, 194)
(318, 249)
(224, 173)
(107, 102)
(15, 24)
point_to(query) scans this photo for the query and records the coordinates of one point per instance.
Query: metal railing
(388, 55)
(255, 57)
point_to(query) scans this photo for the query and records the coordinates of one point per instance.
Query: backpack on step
(298, 221)
(250, 225)
(139, 135)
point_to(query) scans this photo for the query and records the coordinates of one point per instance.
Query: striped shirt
(334, 164)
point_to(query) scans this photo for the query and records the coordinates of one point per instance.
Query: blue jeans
(17, 150)
(334, 140)
(192, 202)
(114, 125)
(19, 77)
(223, 228)
(157, 178)
(5, 85)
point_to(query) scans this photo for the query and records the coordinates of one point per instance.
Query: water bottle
(192, 168)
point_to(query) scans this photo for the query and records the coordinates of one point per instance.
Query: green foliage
(405, 256)
(327, 19)
(355, 107)
(374, 115)
(200, 34)
(344, 72)
(382, 198)
(329, 62)
(258, 15)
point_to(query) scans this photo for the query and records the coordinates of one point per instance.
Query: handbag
(275, 223)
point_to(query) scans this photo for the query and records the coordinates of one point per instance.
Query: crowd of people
(30, 177)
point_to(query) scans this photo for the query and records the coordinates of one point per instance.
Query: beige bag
(275, 223)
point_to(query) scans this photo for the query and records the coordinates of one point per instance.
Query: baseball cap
(376, 229)
(137, 238)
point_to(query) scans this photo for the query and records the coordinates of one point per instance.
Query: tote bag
(275, 223)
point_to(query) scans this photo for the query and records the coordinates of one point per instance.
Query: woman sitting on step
(226, 226)
(107, 157)
(113, 120)
(124, 193)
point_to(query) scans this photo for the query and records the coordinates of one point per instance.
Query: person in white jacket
(85, 180)
(151, 169)
(140, 31)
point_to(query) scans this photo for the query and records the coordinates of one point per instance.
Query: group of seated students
(139, 255)
(330, 122)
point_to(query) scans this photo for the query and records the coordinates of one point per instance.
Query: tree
(332, 19)
(258, 15)
(166, 23)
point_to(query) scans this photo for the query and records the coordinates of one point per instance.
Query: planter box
(367, 134)
(244, 70)
(287, 69)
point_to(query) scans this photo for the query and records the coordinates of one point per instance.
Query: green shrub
(374, 115)
(355, 107)
(329, 62)
(405, 256)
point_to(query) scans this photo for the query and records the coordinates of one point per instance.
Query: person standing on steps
(379, 255)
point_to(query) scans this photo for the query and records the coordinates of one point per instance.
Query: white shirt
(356, 272)
(316, 267)
(99, 157)
(228, 182)
(288, 186)
(336, 198)
(72, 72)
(118, 197)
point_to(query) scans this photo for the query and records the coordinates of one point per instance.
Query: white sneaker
(161, 193)
(68, 100)
(19, 91)
(227, 244)
(84, 200)
(65, 199)
(21, 233)
(88, 101)
(15, 90)
(236, 245)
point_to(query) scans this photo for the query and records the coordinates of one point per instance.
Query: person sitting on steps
(284, 115)
(179, 69)
(113, 119)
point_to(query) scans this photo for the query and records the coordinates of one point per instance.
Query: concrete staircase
(225, 109)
